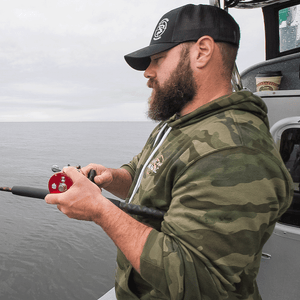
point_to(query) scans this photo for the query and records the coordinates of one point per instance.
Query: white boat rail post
(236, 79)
(214, 2)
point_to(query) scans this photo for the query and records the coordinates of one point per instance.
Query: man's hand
(104, 175)
(116, 181)
(82, 201)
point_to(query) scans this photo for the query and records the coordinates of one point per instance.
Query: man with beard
(176, 92)
(210, 164)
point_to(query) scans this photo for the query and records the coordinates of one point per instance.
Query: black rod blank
(126, 207)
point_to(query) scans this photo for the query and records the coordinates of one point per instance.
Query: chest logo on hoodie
(155, 165)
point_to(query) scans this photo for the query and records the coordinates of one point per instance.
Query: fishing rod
(59, 182)
(127, 207)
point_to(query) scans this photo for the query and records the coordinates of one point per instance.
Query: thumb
(103, 179)
(73, 173)
(53, 198)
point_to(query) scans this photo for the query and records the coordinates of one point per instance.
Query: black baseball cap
(183, 24)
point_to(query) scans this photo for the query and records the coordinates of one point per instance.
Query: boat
(277, 81)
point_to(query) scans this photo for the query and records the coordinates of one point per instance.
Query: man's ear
(205, 48)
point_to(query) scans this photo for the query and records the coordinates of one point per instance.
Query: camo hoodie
(224, 186)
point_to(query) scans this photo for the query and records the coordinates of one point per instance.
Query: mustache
(151, 83)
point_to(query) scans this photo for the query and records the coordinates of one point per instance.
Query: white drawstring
(138, 183)
(159, 134)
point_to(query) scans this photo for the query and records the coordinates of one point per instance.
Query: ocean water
(44, 254)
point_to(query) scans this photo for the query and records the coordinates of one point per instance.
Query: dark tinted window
(290, 153)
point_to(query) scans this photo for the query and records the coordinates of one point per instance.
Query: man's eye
(156, 59)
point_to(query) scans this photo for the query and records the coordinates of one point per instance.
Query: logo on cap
(161, 28)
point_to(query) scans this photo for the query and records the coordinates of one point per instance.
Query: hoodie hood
(243, 101)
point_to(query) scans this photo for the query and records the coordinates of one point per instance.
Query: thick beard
(175, 93)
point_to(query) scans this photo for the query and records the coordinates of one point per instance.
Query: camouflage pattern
(224, 186)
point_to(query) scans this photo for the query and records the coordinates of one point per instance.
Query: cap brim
(140, 59)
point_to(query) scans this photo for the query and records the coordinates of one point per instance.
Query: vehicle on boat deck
(279, 274)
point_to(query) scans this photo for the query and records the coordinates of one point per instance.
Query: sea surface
(44, 254)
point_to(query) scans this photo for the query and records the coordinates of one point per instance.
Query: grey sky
(62, 60)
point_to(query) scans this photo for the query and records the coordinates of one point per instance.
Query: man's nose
(150, 72)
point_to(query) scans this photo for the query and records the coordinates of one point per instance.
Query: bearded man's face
(173, 95)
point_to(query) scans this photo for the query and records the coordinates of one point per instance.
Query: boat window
(290, 153)
(289, 35)
(282, 28)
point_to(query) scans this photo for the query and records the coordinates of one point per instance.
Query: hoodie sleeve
(131, 167)
(224, 207)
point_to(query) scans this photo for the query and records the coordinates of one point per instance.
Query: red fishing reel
(59, 183)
